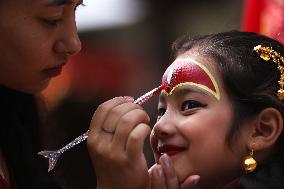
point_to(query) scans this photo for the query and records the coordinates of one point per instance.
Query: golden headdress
(267, 53)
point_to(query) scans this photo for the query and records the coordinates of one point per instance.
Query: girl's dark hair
(251, 84)
(19, 141)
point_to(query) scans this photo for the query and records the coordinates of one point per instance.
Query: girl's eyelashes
(161, 112)
(186, 105)
(191, 104)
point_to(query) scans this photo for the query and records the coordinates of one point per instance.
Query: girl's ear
(266, 129)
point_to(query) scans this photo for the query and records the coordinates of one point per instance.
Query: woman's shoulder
(4, 184)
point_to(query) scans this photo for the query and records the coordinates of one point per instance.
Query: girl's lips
(170, 149)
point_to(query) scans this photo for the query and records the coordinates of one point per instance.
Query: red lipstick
(170, 149)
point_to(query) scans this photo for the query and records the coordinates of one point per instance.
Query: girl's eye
(161, 112)
(190, 104)
(53, 22)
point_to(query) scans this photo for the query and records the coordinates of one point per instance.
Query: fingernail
(166, 160)
(160, 172)
(128, 98)
(195, 179)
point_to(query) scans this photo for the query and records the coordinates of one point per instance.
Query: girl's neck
(232, 184)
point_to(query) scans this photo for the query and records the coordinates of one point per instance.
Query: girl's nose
(164, 127)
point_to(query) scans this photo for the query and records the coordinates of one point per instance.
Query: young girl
(219, 124)
(37, 39)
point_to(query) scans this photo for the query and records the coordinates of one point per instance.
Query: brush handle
(53, 156)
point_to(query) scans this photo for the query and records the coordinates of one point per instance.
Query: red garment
(264, 17)
(252, 15)
(4, 184)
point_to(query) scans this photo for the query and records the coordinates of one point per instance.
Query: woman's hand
(115, 143)
(163, 176)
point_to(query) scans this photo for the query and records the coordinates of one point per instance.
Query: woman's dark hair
(251, 84)
(20, 140)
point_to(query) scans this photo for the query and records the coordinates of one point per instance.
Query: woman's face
(37, 39)
(192, 126)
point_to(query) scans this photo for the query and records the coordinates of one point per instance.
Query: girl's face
(37, 39)
(192, 126)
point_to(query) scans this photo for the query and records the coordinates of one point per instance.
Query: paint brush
(54, 155)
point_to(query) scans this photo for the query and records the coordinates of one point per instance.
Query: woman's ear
(266, 129)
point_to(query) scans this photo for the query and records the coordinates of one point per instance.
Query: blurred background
(126, 47)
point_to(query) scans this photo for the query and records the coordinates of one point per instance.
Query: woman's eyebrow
(63, 2)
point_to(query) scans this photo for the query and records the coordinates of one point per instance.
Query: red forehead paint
(189, 72)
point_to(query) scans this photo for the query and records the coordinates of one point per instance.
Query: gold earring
(249, 163)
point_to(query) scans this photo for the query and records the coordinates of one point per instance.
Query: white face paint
(170, 75)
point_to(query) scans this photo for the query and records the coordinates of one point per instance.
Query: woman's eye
(79, 5)
(161, 112)
(53, 22)
(190, 104)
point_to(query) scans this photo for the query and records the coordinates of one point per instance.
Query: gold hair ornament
(267, 53)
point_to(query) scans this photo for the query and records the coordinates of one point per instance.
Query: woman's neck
(4, 169)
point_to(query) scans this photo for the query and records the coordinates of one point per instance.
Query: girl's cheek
(153, 141)
(154, 144)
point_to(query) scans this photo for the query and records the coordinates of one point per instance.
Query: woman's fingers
(126, 125)
(99, 141)
(112, 153)
(135, 140)
(116, 118)
(102, 112)
(116, 113)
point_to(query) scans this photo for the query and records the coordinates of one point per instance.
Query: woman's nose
(69, 42)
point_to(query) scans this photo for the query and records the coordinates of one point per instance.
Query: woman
(219, 124)
(37, 39)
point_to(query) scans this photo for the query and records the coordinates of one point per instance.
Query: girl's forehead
(187, 71)
(182, 91)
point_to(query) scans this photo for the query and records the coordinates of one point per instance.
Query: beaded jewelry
(267, 53)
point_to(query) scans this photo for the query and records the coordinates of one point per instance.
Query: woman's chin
(36, 88)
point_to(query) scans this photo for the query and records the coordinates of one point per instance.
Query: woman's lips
(170, 149)
(52, 72)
